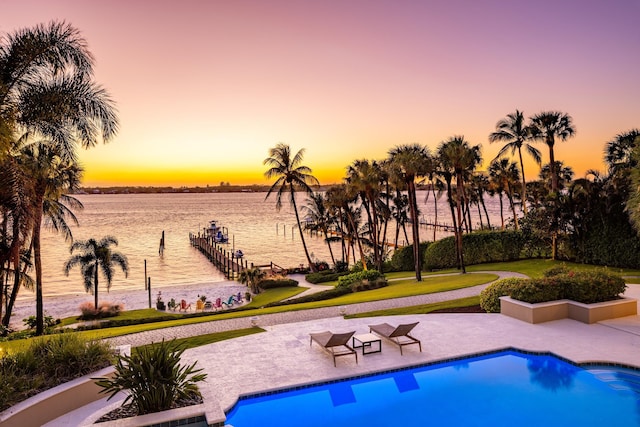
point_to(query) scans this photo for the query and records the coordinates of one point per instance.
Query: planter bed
(562, 309)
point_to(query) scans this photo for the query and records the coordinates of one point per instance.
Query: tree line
(591, 218)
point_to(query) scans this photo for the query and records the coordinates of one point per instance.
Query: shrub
(555, 271)
(360, 276)
(154, 378)
(479, 247)
(277, 283)
(441, 254)
(324, 276)
(539, 290)
(49, 321)
(367, 285)
(47, 363)
(105, 309)
(593, 286)
(402, 258)
(341, 267)
(490, 296)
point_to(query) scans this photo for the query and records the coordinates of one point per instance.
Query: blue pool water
(508, 388)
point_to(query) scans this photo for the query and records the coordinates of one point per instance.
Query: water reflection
(551, 373)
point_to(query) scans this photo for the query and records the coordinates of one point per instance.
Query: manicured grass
(401, 284)
(273, 295)
(200, 340)
(396, 289)
(420, 309)
(536, 267)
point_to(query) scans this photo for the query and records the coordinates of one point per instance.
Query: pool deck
(282, 357)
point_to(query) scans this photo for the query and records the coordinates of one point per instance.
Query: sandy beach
(68, 305)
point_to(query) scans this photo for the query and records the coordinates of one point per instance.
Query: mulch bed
(129, 410)
(470, 309)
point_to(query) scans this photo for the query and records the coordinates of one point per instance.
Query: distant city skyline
(205, 88)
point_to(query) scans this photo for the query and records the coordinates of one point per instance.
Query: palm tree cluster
(378, 194)
(49, 105)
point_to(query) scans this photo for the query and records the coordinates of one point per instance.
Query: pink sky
(205, 88)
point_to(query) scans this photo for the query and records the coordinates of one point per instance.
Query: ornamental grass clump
(154, 378)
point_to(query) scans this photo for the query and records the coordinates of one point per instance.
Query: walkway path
(185, 331)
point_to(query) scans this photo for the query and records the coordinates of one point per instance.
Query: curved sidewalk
(203, 328)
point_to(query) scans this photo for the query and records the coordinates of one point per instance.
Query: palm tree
(411, 162)
(564, 175)
(290, 176)
(252, 277)
(51, 176)
(317, 211)
(546, 127)
(458, 155)
(96, 256)
(505, 175)
(364, 178)
(619, 151)
(47, 94)
(513, 131)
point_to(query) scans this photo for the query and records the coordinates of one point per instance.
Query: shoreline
(61, 306)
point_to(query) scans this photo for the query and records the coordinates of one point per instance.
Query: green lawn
(420, 309)
(536, 267)
(200, 340)
(402, 284)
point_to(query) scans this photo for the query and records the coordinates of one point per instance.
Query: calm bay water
(138, 220)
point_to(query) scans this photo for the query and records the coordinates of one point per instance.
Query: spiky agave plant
(153, 377)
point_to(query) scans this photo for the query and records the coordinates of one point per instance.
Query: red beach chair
(184, 306)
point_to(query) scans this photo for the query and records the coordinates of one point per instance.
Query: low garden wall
(55, 402)
(562, 309)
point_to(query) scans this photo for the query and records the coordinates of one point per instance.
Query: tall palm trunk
(358, 242)
(480, 216)
(304, 243)
(554, 190)
(460, 185)
(486, 214)
(435, 210)
(513, 206)
(95, 285)
(415, 225)
(37, 260)
(15, 259)
(453, 216)
(326, 238)
(501, 210)
(524, 183)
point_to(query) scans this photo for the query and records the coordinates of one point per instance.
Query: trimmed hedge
(479, 247)
(324, 276)
(349, 279)
(587, 287)
(318, 296)
(538, 290)
(277, 283)
(490, 296)
(402, 258)
(380, 282)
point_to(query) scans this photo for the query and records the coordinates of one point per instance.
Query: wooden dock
(218, 253)
(224, 259)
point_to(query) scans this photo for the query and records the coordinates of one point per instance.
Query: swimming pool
(506, 388)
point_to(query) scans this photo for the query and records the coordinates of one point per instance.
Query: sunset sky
(205, 88)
